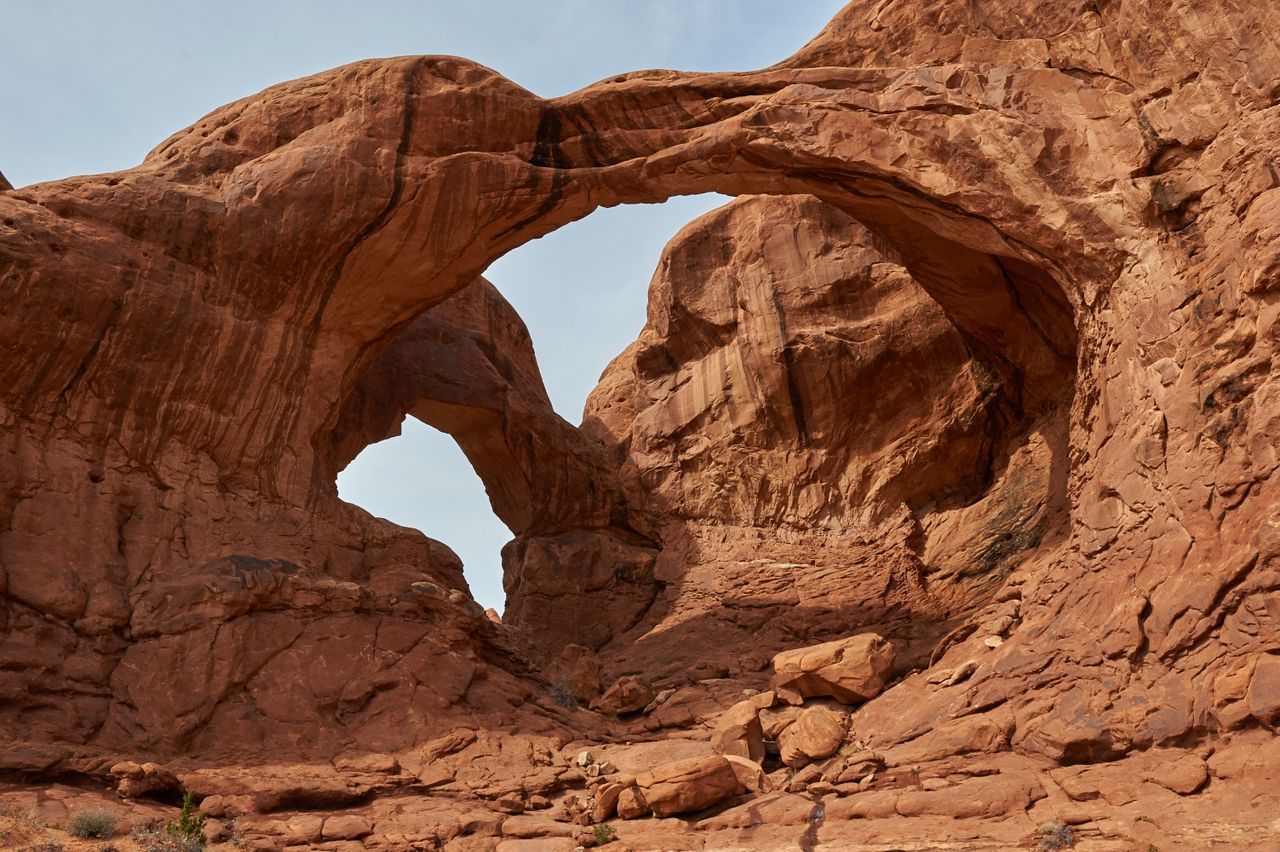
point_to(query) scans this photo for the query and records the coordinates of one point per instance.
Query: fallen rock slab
(629, 694)
(739, 731)
(849, 670)
(689, 785)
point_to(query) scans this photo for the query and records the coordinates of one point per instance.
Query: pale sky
(88, 87)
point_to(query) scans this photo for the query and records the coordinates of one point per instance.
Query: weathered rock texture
(1008, 399)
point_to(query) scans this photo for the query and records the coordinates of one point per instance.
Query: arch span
(414, 174)
(196, 325)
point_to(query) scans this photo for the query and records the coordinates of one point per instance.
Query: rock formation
(985, 366)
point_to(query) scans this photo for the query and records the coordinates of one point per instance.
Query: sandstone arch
(402, 198)
(180, 340)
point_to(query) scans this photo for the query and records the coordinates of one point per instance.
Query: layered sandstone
(995, 380)
(812, 448)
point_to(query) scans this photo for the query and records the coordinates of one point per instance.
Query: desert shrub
(563, 695)
(603, 833)
(185, 834)
(154, 840)
(95, 823)
(18, 825)
(1056, 836)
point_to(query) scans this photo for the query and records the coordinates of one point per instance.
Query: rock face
(628, 694)
(990, 372)
(757, 399)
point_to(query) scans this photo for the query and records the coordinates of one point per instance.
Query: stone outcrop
(990, 373)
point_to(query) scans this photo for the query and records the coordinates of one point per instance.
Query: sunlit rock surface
(993, 378)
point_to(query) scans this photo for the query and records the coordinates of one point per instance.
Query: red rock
(738, 732)
(226, 806)
(687, 785)
(607, 800)
(345, 827)
(632, 804)
(1184, 774)
(1264, 691)
(750, 775)
(772, 809)
(817, 733)
(975, 798)
(530, 826)
(578, 670)
(629, 694)
(982, 733)
(850, 670)
(1006, 332)
(541, 844)
(134, 780)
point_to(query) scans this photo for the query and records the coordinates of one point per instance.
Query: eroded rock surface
(992, 377)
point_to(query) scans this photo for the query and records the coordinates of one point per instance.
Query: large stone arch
(344, 207)
(303, 229)
(179, 340)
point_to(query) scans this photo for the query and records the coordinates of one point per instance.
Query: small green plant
(603, 833)
(1056, 836)
(563, 695)
(190, 825)
(95, 823)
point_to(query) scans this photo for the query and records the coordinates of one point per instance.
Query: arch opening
(584, 538)
(442, 408)
(420, 478)
(1010, 294)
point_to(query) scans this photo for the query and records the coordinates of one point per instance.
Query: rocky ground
(789, 767)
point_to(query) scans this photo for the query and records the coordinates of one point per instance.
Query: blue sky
(88, 87)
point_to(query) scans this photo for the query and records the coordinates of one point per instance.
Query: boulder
(817, 733)
(134, 780)
(632, 804)
(750, 774)
(849, 670)
(739, 731)
(689, 785)
(629, 694)
(607, 800)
